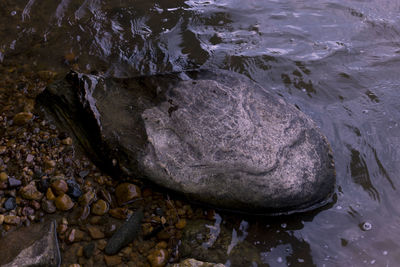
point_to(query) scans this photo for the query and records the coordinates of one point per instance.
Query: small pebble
(1, 219)
(88, 250)
(112, 260)
(95, 232)
(49, 194)
(158, 258)
(12, 219)
(22, 118)
(74, 190)
(181, 224)
(59, 187)
(12, 182)
(10, 204)
(67, 141)
(87, 198)
(3, 176)
(29, 158)
(30, 192)
(48, 206)
(100, 207)
(64, 202)
(126, 192)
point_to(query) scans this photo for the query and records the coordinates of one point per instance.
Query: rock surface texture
(216, 137)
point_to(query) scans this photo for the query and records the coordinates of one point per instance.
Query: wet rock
(74, 190)
(48, 206)
(95, 232)
(64, 202)
(13, 183)
(33, 246)
(59, 187)
(3, 176)
(22, 118)
(87, 198)
(49, 194)
(12, 219)
(119, 213)
(158, 258)
(10, 204)
(216, 137)
(125, 234)
(112, 260)
(30, 192)
(126, 192)
(100, 207)
(196, 263)
(88, 250)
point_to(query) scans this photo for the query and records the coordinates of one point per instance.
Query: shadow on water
(334, 60)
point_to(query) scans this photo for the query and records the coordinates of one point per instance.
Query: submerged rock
(218, 138)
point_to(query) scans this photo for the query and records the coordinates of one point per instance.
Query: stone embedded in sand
(22, 118)
(100, 207)
(59, 187)
(126, 192)
(30, 192)
(64, 202)
(216, 137)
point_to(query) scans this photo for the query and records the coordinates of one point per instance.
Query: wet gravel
(43, 172)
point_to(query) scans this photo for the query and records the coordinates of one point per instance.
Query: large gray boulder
(216, 137)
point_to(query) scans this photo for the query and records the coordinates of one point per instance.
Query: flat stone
(216, 137)
(196, 263)
(12, 219)
(12, 182)
(95, 232)
(22, 118)
(36, 245)
(31, 192)
(125, 234)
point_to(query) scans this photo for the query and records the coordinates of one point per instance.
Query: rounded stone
(87, 198)
(59, 187)
(22, 118)
(48, 206)
(181, 224)
(100, 207)
(126, 192)
(64, 202)
(10, 204)
(215, 136)
(74, 190)
(95, 232)
(3, 176)
(158, 258)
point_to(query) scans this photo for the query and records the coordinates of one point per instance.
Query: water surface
(338, 61)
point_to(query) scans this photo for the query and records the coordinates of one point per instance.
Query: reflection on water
(335, 60)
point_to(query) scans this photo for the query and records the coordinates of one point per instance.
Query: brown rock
(181, 224)
(158, 258)
(30, 192)
(119, 213)
(112, 260)
(84, 212)
(100, 207)
(3, 176)
(3, 149)
(71, 236)
(126, 192)
(67, 141)
(49, 194)
(87, 198)
(64, 202)
(62, 228)
(22, 118)
(50, 163)
(12, 219)
(95, 232)
(48, 206)
(1, 219)
(59, 187)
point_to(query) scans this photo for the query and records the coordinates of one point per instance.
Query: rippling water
(338, 61)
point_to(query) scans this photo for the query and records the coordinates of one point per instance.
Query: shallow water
(336, 60)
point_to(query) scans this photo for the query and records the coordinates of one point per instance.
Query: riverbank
(42, 174)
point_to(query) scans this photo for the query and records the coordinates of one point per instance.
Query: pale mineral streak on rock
(217, 137)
